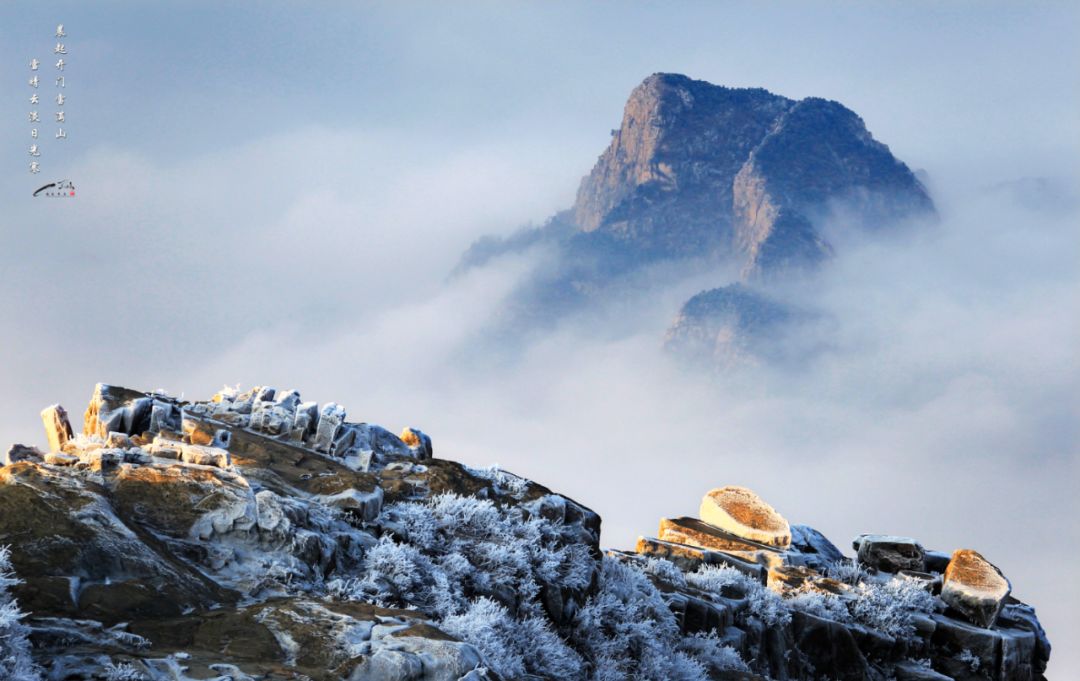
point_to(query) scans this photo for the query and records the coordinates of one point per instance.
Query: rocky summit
(709, 178)
(258, 536)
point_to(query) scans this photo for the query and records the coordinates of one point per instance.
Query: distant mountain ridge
(731, 178)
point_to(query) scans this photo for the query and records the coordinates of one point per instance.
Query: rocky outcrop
(732, 327)
(665, 182)
(175, 538)
(808, 612)
(257, 536)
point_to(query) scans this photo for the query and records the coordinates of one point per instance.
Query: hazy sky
(275, 195)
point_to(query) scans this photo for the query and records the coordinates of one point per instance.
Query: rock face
(256, 536)
(666, 181)
(697, 168)
(817, 156)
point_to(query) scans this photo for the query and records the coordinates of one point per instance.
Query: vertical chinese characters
(38, 99)
(34, 117)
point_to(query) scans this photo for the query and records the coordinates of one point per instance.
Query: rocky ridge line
(258, 536)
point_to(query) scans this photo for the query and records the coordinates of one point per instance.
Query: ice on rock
(743, 513)
(272, 418)
(305, 421)
(164, 416)
(116, 440)
(366, 505)
(331, 419)
(61, 459)
(288, 400)
(115, 409)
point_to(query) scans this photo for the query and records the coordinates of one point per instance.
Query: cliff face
(699, 169)
(817, 155)
(257, 536)
(708, 178)
(665, 182)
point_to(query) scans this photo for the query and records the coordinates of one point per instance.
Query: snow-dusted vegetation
(15, 662)
(480, 570)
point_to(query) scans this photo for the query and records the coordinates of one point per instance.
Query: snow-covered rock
(254, 536)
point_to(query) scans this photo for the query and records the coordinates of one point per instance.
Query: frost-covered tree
(15, 661)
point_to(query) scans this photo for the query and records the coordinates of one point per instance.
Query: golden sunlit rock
(975, 587)
(57, 427)
(743, 513)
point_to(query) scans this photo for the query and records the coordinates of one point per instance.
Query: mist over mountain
(701, 178)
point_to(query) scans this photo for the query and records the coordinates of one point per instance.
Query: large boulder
(744, 514)
(888, 553)
(974, 587)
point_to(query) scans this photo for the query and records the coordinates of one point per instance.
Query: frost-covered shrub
(627, 631)
(663, 569)
(970, 659)
(847, 572)
(123, 672)
(479, 570)
(461, 548)
(819, 604)
(504, 482)
(891, 606)
(708, 650)
(762, 603)
(512, 646)
(15, 661)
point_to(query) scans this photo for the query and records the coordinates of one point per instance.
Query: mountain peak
(701, 169)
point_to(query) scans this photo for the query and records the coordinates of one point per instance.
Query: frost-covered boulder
(889, 553)
(743, 513)
(974, 587)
